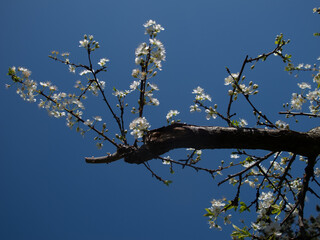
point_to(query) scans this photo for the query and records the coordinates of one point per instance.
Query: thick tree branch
(179, 135)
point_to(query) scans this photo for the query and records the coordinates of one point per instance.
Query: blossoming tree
(278, 192)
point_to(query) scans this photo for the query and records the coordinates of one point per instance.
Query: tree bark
(179, 135)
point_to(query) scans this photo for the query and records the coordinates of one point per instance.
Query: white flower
(25, 72)
(316, 79)
(195, 108)
(142, 49)
(210, 113)
(13, 69)
(72, 69)
(135, 73)
(198, 91)
(304, 85)
(297, 101)
(88, 122)
(84, 43)
(300, 65)
(230, 79)
(53, 88)
(243, 122)
(154, 101)
(266, 199)
(235, 156)
(153, 86)
(103, 61)
(217, 203)
(166, 160)
(172, 113)
(134, 85)
(84, 72)
(45, 84)
(139, 126)
(97, 118)
(119, 94)
(282, 125)
(102, 84)
(203, 97)
(152, 28)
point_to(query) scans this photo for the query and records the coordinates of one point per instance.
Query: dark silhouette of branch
(179, 135)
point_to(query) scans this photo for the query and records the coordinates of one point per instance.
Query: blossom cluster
(152, 53)
(239, 87)
(200, 98)
(89, 43)
(171, 116)
(312, 96)
(139, 127)
(28, 90)
(61, 104)
(215, 211)
(149, 57)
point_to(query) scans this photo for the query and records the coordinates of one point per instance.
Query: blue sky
(47, 189)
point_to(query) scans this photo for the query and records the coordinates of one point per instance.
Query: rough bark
(179, 135)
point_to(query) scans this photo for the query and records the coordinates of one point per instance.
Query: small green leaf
(167, 182)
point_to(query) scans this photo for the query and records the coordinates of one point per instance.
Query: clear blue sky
(47, 189)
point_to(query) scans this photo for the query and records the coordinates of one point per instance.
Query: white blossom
(84, 43)
(230, 79)
(72, 69)
(135, 73)
(296, 101)
(195, 108)
(243, 122)
(103, 61)
(152, 28)
(139, 126)
(210, 113)
(198, 91)
(171, 114)
(25, 72)
(84, 72)
(304, 85)
(97, 118)
(282, 125)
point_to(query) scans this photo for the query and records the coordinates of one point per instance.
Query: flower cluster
(152, 53)
(149, 57)
(200, 94)
(152, 28)
(282, 125)
(28, 90)
(200, 98)
(171, 115)
(216, 209)
(88, 43)
(139, 127)
(313, 96)
(61, 104)
(239, 87)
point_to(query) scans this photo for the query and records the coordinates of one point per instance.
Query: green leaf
(167, 182)
(243, 207)
(241, 233)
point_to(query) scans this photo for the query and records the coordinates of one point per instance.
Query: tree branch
(179, 135)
